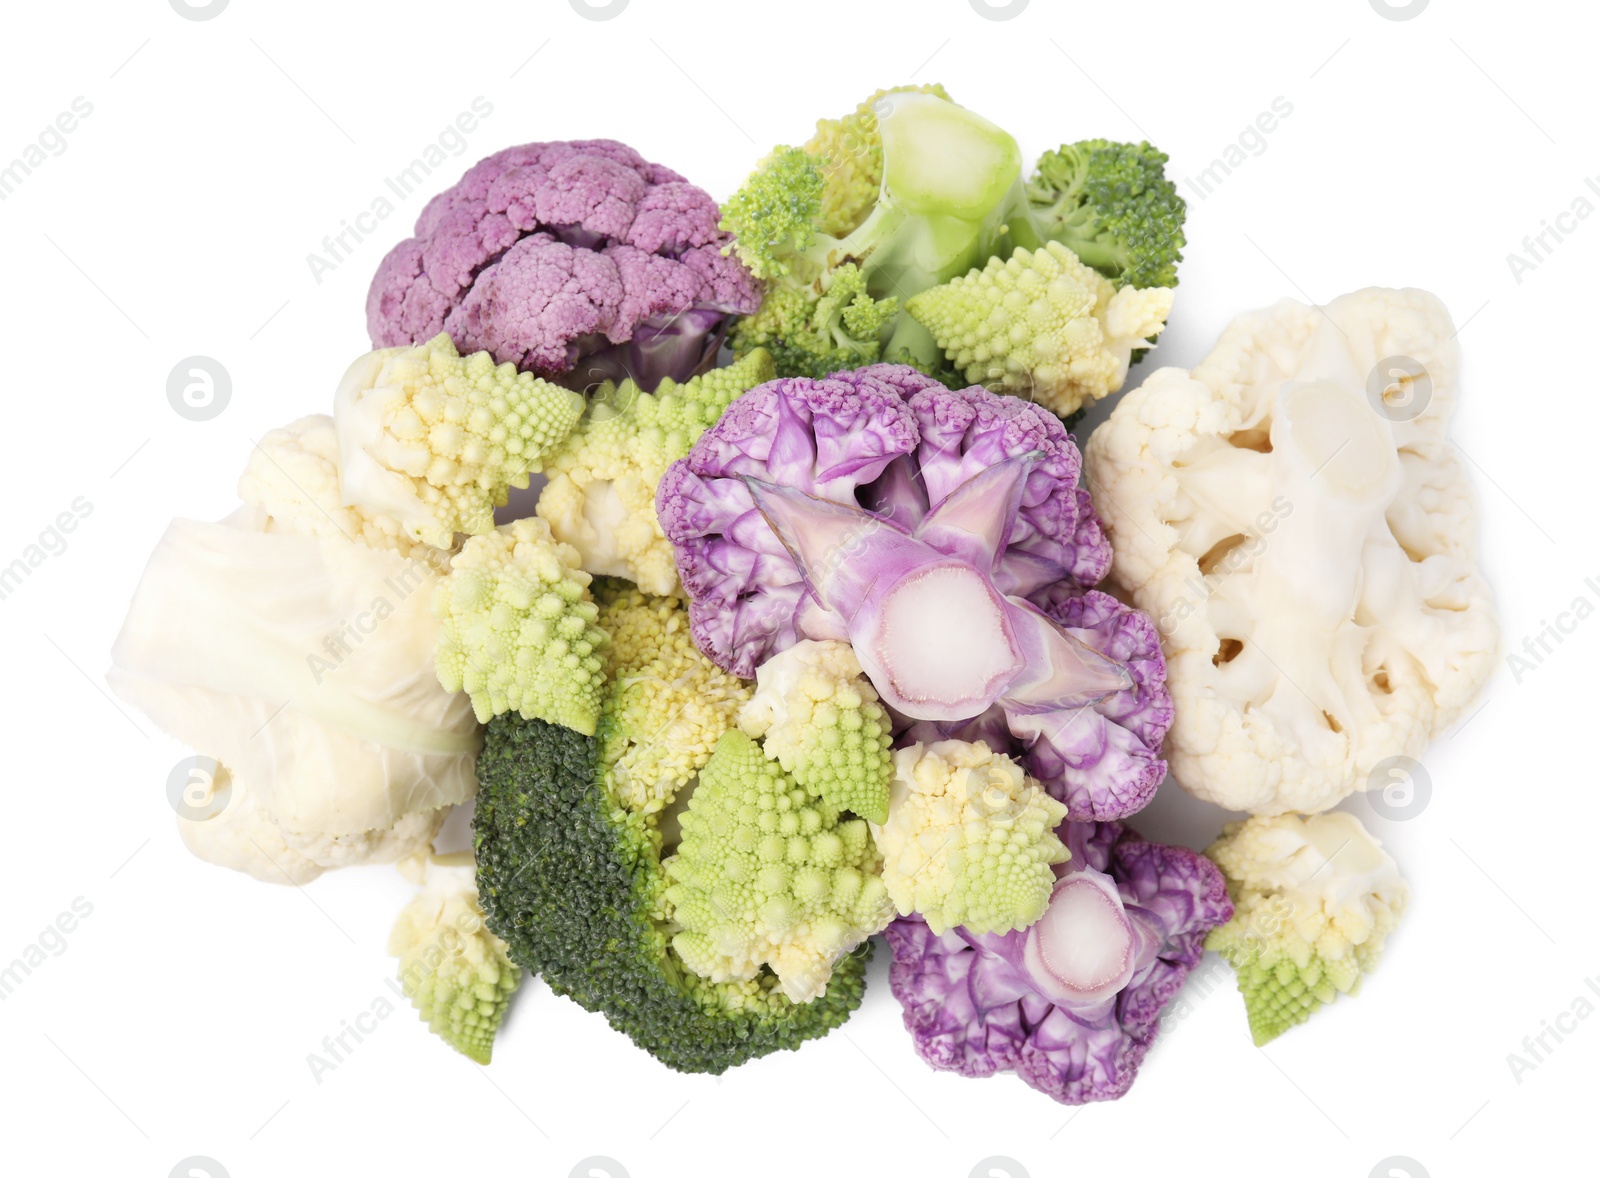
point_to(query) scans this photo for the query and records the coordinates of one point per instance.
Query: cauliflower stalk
(765, 874)
(819, 718)
(1306, 543)
(454, 970)
(1043, 326)
(517, 628)
(436, 440)
(970, 841)
(601, 493)
(1314, 900)
(666, 704)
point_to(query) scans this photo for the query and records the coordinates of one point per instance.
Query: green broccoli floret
(454, 970)
(948, 186)
(1113, 206)
(517, 628)
(767, 875)
(570, 876)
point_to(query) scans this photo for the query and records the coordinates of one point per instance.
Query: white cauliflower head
(1306, 543)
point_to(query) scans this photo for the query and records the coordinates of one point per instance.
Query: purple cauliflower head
(578, 261)
(1050, 1002)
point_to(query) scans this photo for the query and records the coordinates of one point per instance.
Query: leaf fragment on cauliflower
(1314, 901)
(1306, 548)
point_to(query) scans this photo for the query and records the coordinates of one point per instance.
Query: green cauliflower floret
(814, 335)
(601, 493)
(1043, 326)
(454, 970)
(436, 440)
(818, 716)
(1314, 900)
(571, 877)
(517, 628)
(970, 840)
(766, 875)
(1112, 205)
(666, 704)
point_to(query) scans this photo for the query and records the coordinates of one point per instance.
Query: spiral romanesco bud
(1042, 325)
(436, 439)
(819, 717)
(1314, 899)
(970, 840)
(454, 970)
(767, 875)
(518, 629)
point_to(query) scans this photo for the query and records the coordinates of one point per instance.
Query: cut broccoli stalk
(571, 880)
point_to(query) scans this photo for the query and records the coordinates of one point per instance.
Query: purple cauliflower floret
(826, 437)
(980, 1004)
(578, 261)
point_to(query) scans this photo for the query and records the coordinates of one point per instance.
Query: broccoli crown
(1113, 206)
(815, 335)
(572, 881)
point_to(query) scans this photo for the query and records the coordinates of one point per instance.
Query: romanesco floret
(436, 439)
(818, 716)
(518, 629)
(666, 704)
(970, 840)
(1314, 899)
(454, 970)
(1042, 325)
(767, 875)
(293, 477)
(602, 489)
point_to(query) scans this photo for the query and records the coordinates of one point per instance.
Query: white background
(177, 221)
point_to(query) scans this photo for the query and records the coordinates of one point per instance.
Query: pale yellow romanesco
(517, 628)
(666, 704)
(436, 440)
(601, 497)
(1313, 901)
(970, 840)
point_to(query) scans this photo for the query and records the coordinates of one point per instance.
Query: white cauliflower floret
(1307, 555)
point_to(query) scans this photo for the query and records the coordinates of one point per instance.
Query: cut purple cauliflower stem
(944, 536)
(1072, 1003)
(581, 262)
